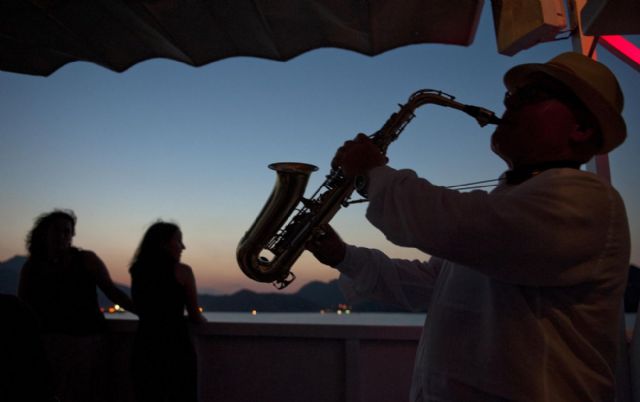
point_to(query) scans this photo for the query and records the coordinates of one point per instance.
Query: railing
(258, 362)
(262, 362)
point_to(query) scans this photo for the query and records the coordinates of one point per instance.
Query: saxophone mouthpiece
(483, 116)
(493, 119)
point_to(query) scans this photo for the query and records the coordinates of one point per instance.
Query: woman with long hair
(164, 358)
(58, 282)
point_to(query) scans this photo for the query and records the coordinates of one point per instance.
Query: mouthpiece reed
(483, 116)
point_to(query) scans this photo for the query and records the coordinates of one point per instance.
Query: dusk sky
(164, 140)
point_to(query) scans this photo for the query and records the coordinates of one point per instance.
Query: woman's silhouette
(58, 282)
(164, 359)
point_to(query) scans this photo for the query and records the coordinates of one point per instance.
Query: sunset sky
(164, 140)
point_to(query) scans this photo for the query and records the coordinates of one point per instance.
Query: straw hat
(592, 82)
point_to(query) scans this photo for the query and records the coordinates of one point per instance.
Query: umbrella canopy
(39, 36)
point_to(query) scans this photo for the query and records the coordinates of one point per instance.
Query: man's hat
(592, 82)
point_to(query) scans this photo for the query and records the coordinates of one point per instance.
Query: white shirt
(523, 290)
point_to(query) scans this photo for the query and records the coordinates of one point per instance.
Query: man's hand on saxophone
(356, 157)
(327, 245)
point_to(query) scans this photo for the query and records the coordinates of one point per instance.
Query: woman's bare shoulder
(183, 271)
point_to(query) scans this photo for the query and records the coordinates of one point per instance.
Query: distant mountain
(10, 274)
(326, 295)
(104, 301)
(246, 300)
(312, 297)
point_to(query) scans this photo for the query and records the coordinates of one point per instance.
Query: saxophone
(285, 243)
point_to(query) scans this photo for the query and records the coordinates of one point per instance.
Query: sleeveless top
(159, 298)
(65, 300)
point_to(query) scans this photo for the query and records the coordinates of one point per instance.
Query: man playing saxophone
(524, 285)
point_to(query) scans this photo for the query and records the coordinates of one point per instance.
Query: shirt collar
(522, 173)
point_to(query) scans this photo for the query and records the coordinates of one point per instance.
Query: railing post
(352, 370)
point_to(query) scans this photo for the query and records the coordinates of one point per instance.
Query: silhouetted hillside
(312, 297)
(246, 300)
(10, 274)
(327, 295)
(103, 301)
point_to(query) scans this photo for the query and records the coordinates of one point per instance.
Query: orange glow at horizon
(223, 276)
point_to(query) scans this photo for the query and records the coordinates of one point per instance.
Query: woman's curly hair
(37, 237)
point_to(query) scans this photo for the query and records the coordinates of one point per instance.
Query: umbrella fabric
(39, 36)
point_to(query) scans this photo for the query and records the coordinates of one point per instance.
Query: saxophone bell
(291, 182)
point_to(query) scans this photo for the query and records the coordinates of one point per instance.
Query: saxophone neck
(483, 116)
(399, 120)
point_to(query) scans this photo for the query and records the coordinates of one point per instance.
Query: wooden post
(584, 44)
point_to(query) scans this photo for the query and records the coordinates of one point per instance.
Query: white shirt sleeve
(370, 274)
(538, 233)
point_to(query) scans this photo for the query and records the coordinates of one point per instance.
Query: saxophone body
(284, 239)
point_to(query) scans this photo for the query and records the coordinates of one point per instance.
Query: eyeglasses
(530, 94)
(540, 92)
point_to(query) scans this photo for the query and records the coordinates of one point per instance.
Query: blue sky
(191, 145)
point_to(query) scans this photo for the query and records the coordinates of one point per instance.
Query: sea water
(327, 318)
